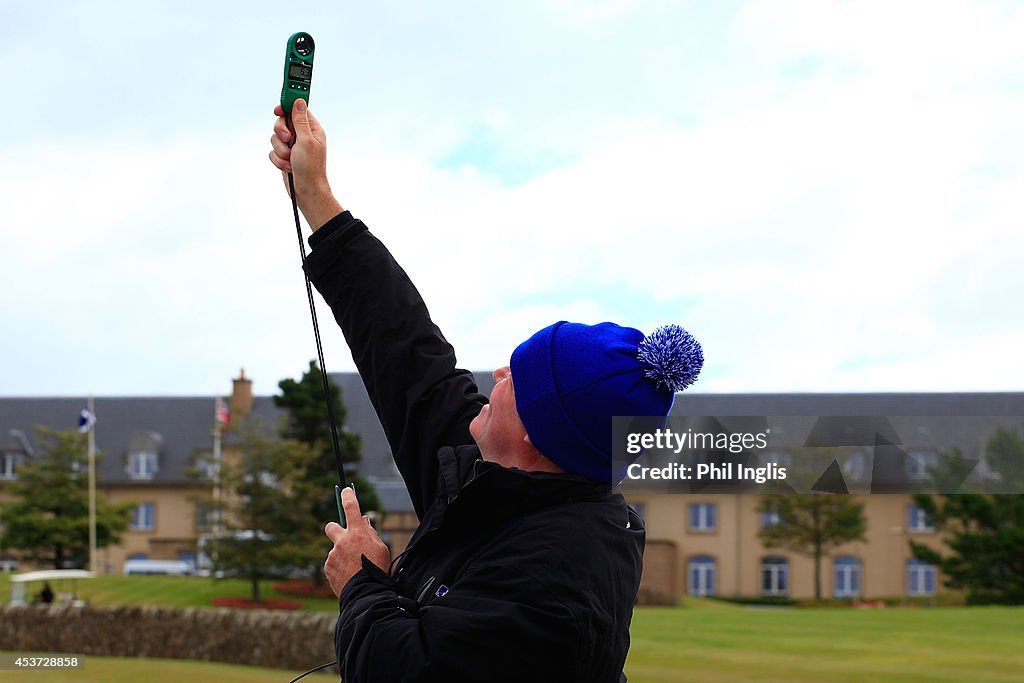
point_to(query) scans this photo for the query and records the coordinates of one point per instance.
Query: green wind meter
(298, 70)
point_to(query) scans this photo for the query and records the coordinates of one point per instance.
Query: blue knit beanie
(571, 379)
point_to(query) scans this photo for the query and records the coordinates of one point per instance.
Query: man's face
(498, 430)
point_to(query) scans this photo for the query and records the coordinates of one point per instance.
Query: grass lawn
(704, 642)
(171, 591)
(716, 643)
(123, 670)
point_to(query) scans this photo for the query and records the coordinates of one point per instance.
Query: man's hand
(351, 543)
(302, 151)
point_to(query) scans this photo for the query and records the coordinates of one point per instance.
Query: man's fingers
(350, 504)
(281, 129)
(334, 531)
(283, 164)
(280, 147)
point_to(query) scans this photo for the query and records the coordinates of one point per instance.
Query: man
(527, 561)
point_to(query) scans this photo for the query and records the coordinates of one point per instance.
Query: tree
(1005, 455)
(48, 520)
(307, 423)
(812, 524)
(268, 530)
(985, 532)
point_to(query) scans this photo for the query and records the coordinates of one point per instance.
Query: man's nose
(501, 373)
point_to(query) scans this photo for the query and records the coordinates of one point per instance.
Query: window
(847, 577)
(702, 575)
(143, 517)
(918, 520)
(206, 516)
(919, 462)
(700, 458)
(780, 458)
(770, 518)
(8, 460)
(206, 468)
(775, 576)
(702, 517)
(920, 578)
(853, 466)
(142, 465)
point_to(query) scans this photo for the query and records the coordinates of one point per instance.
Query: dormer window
(8, 461)
(143, 455)
(919, 463)
(143, 465)
(853, 466)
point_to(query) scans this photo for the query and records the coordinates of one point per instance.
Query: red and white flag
(222, 413)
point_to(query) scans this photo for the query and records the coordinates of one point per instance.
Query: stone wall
(288, 640)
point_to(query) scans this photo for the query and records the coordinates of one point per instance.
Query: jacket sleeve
(473, 632)
(422, 400)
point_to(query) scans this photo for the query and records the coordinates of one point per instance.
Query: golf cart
(64, 582)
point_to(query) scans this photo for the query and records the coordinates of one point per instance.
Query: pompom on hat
(571, 379)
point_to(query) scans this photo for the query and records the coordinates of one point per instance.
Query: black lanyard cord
(319, 346)
(322, 666)
(320, 358)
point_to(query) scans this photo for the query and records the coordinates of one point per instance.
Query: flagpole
(217, 416)
(92, 491)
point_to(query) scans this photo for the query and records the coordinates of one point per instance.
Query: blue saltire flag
(85, 421)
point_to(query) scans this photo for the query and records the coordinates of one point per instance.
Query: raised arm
(423, 401)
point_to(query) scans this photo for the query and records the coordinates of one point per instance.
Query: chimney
(241, 398)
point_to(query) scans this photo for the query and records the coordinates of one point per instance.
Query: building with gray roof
(150, 446)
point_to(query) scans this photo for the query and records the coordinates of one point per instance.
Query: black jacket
(511, 575)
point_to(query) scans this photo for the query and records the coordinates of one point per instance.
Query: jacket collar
(493, 493)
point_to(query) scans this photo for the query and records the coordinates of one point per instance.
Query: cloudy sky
(829, 195)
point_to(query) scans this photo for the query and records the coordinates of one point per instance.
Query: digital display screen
(300, 72)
